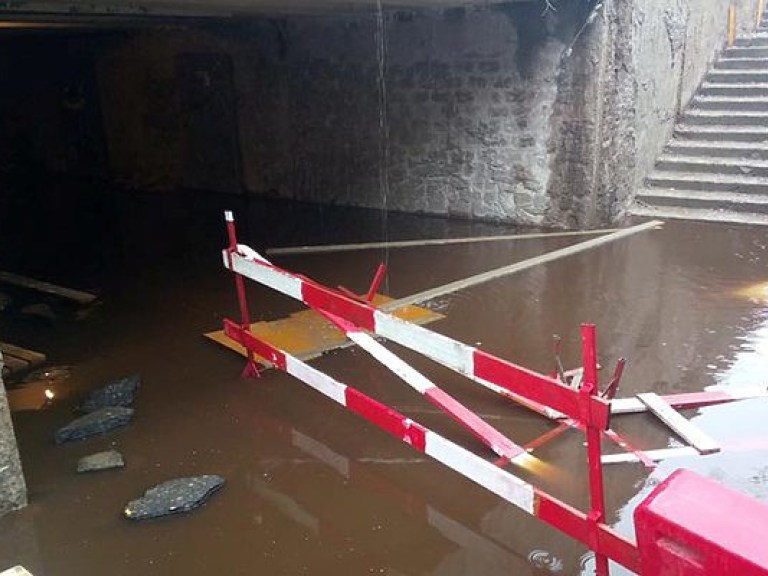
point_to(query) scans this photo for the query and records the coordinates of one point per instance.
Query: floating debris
(101, 461)
(49, 373)
(94, 423)
(39, 310)
(118, 393)
(173, 497)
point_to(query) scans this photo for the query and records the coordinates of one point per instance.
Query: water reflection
(492, 545)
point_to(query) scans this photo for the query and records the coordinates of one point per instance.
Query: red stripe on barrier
(387, 419)
(491, 437)
(538, 388)
(323, 298)
(253, 344)
(575, 524)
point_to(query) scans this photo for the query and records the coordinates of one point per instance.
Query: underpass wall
(501, 112)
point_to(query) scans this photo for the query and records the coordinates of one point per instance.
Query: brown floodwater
(312, 489)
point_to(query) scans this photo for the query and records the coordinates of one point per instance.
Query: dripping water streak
(381, 53)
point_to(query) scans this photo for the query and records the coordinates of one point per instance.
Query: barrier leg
(594, 451)
(251, 369)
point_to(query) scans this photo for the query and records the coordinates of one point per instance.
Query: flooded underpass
(312, 489)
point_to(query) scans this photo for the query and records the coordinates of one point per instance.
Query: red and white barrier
(491, 437)
(507, 486)
(582, 409)
(547, 395)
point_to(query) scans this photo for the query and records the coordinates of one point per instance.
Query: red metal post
(380, 272)
(250, 369)
(594, 450)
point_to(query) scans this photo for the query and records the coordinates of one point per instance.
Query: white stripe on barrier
(443, 349)
(228, 216)
(321, 382)
(489, 476)
(275, 279)
(251, 254)
(412, 377)
(546, 411)
(708, 397)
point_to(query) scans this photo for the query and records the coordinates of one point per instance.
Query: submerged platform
(307, 334)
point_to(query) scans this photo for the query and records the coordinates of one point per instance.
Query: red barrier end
(693, 526)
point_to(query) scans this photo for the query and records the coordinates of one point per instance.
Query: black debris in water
(94, 423)
(101, 461)
(173, 497)
(51, 373)
(118, 393)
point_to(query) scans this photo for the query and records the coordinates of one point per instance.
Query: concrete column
(13, 490)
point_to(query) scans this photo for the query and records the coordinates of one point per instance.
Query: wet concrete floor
(313, 489)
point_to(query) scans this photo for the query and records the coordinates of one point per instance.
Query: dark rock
(94, 423)
(101, 461)
(118, 393)
(173, 497)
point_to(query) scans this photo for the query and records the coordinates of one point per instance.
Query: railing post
(760, 10)
(731, 25)
(594, 434)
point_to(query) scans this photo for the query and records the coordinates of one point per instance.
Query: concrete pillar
(13, 490)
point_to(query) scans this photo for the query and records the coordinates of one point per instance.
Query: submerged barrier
(673, 537)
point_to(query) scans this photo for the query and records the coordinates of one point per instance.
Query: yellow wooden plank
(307, 334)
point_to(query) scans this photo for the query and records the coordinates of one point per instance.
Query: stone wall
(436, 111)
(13, 490)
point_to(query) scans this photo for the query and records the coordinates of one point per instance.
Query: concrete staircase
(716, 165)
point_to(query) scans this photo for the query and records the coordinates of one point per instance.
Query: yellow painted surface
(307, 334)
(731, 25)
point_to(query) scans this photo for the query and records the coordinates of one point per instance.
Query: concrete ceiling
(57, 10)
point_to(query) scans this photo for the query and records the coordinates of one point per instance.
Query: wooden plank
(430, 242)
(654, 455)
(679, 425)
(691, 399)
(78, 296)
(30, 356)
(14, 364)
(478, 279)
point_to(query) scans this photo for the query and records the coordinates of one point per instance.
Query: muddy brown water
(312, 489)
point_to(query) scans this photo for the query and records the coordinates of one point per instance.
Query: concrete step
(759, 38)
(716, 133)
(717, 149)
(735, 103)
(733, 89)
(725, 118)
(746, 52)
(678, 213)
(741, 63)
(679, 180)
(756, 204)
(731, 76)
(710, 165)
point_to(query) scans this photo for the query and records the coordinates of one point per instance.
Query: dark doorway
(211, 150)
